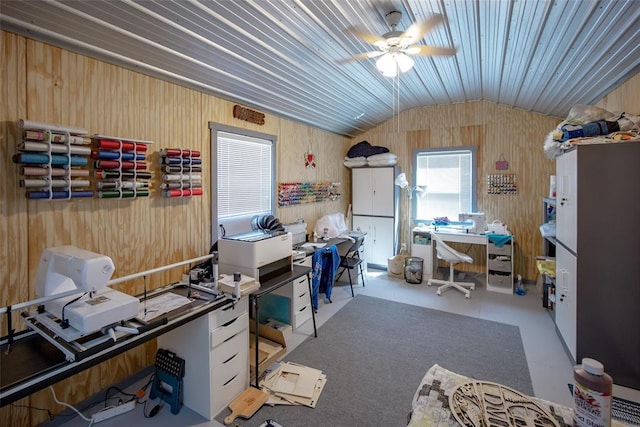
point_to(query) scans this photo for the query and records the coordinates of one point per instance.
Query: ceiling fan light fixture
(405, 63)
(390, 64)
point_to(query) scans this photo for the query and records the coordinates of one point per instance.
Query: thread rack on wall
(502, 183)
(120, 167)
(53, 161)
(181, 172)
(296, 193)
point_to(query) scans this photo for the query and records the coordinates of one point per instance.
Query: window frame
(473, 149)
(219, 127)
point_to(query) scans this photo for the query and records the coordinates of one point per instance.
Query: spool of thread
(236, 283)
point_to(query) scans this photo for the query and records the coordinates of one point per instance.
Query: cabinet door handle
(564, 199)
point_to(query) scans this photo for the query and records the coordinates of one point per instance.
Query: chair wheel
(467, 296)
(438, 293)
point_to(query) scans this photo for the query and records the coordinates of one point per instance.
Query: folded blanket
(355, 163)
(378, 163)
(383, 156)
(365, 149)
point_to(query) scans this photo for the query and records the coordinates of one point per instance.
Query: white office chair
(447, 253)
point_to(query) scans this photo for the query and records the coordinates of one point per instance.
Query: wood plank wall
(52, 85)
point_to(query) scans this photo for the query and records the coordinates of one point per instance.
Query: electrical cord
(55, 398)
(119, 390)
(48, 411)
(65, 322)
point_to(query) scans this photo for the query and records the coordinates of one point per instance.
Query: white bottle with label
(592, 391)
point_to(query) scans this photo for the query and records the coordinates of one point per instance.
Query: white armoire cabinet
(374, 199)
(598, 256)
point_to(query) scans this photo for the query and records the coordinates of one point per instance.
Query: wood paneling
(56, 86)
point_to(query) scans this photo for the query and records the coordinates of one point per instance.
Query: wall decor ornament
(248, 115)
(309, 160)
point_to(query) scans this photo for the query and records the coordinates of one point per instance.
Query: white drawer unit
(298, 293)
(214, 345)
(500, 267)
(422, 247)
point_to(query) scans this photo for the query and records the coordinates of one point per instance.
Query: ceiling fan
(397, 47)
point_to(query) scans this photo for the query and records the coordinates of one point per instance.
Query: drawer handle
(230, 307)
(229, 322)
(301, 295)
(229, 359)
(231, 337)
(303, 309)
(232, 378)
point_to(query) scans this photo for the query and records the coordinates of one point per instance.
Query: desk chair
(351, 260)
(450, 255)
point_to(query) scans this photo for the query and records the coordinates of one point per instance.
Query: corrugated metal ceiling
(283, 56)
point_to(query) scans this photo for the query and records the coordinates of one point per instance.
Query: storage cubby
(500, 267)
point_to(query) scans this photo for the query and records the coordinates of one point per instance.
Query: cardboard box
(271, 346)
(285, 328)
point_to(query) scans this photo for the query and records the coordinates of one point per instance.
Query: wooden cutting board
(246, 404)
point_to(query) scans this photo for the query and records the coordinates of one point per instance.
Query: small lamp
(401, 181)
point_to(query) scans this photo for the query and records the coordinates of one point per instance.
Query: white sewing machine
(65, 269)
(476, 222)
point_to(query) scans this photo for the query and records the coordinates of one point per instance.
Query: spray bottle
(519, 287)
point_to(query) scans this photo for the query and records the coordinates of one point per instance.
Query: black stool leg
(362, 275)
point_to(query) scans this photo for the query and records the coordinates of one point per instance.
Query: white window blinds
(449, 177)
(245, 175)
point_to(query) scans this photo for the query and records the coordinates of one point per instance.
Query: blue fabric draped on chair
(325, 264)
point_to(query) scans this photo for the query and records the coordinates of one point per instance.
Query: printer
(260, 254)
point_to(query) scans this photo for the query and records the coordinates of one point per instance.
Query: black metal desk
(33, 363)
(268, 287)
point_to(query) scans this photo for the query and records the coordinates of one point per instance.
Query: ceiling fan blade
(419, 29)
(361, 56)
(430, 50)
(366, 36)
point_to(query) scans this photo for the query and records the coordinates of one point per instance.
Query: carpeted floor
(375, 352)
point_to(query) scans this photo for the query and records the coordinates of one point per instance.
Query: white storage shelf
(298, 293)
(422, 247)
(500, 268)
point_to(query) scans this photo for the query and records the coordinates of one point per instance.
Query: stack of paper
(293, 384)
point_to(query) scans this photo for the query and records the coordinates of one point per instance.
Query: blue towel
(499, 239)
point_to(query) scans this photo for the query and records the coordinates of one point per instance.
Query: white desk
(499, 267)
(452, 235)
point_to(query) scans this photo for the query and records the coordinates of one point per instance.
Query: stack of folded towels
(365, 154)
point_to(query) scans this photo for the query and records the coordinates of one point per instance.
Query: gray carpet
(375, 352)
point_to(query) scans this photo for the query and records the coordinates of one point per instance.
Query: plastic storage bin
(413, 270)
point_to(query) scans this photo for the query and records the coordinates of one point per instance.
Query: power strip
(105, 414)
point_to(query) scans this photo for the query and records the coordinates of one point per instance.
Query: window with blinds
(449, 176)
(244, 171)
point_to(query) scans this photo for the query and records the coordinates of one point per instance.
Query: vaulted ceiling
(284, 56)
